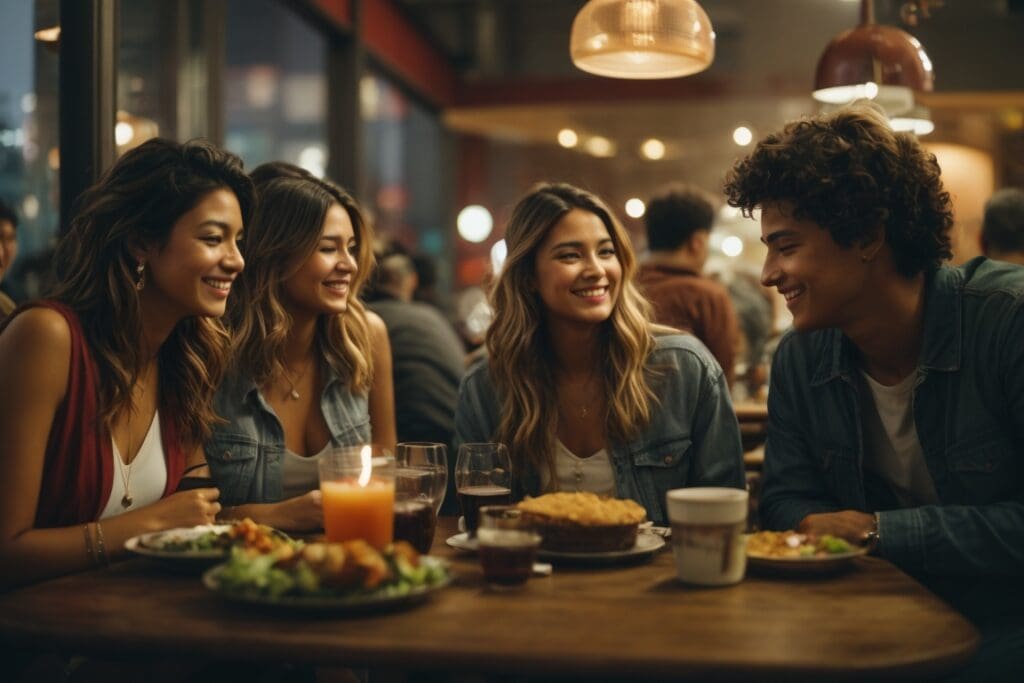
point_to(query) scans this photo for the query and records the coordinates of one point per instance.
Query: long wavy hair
(521, 359)
(284, 233)
(136, 204)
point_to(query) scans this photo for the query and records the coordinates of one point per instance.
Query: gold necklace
(292, 393)
(583, 409)
(125, 468)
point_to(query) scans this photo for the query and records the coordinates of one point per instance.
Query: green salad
(209, 540)
(351, 570)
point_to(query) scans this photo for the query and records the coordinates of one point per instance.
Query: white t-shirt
(146, 476)
(892, 449)
(593, 474)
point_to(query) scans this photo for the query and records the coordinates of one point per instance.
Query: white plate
(341, 604)
(807, 565)
(647, 543)
(154, 544)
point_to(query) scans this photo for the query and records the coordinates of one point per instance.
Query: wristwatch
(871, 537)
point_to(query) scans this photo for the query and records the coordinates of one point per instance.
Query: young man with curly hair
(896, 409)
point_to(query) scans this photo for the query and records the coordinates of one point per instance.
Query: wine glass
(483, 476)
(421, 479)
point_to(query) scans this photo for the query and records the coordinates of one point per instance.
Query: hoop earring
(140, 269)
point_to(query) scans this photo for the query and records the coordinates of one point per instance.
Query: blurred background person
(8, 250)
(754, 313)
(1002, 228)
(678, 221)
(427, 356)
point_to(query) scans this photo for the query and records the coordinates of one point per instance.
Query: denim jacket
(968, 408)
(245, 454)
(692, 439)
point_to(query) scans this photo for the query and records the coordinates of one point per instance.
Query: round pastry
(583, 522)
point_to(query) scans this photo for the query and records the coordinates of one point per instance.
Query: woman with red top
(108, 385)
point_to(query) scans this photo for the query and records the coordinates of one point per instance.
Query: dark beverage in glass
(509, 562)
(415, 522)
(472, 498)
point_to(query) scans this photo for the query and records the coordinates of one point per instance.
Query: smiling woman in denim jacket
(896, 410)
(587, 393)
(311, 367)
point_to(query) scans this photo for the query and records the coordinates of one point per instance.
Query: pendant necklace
(125, 468)
(292, 393)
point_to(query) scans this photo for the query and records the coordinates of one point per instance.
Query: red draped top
(79, 468)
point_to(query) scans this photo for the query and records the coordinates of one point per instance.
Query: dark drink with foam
(507, 557)
(507, 546)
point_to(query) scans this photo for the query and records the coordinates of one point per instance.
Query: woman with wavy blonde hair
(587, 393)
(108, 385)
(311, 367)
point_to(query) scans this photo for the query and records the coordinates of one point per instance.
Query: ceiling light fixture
(567, 138)
(653, 149)
(642, 39)
(917, 121)
(873, 61)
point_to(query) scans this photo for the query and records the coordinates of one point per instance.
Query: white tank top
(593, 474)
(146, 476)
(300, 474)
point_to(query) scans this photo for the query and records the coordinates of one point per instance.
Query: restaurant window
(404, 173)
(165, 75)
(29, 151)
(275, 86)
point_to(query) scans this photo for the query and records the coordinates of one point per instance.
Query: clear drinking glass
(507, 546)
(358, 488)
(421, 478)
(483, 476)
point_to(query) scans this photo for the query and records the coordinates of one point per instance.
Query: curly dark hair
(849, 172)
(674, 213)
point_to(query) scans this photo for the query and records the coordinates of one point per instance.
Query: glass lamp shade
(871, 54)
(917, 121)
(642, 38)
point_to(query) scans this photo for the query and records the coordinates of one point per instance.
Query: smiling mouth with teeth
(223, 285)
(792, 294)
(587, 293)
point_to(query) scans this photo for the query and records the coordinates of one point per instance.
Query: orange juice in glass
(358, 487)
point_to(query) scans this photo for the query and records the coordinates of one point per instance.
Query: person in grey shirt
(427, 357)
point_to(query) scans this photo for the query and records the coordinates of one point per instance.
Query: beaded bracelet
(100, 546)
(88, 543)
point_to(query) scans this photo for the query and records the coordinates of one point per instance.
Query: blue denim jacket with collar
(692, 439)
(245, 454)
(968, 407)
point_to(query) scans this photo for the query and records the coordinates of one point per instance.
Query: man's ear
(698, 242)
(872, 244)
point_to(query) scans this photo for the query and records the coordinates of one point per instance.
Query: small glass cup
(421, 478)
(507, 546)
(358, 488)
(483, 476)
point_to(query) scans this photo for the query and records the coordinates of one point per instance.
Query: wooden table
(633, 621)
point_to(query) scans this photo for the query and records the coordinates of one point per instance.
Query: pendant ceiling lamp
(876, 62)
(642, 38)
